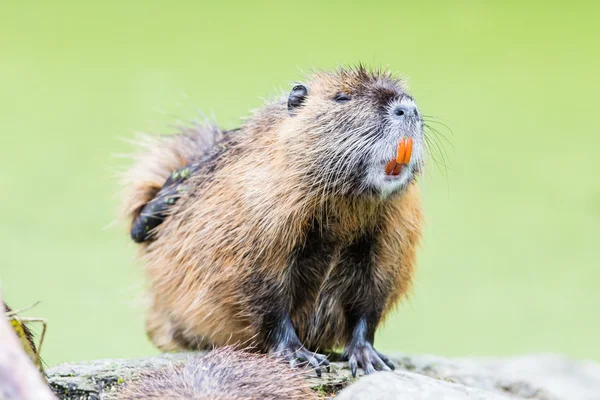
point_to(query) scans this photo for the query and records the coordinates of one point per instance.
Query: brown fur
(222, 374)
(240, 224)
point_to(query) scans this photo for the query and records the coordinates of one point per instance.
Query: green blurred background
(510, 258)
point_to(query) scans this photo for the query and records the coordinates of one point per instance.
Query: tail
(224, 373)
(155, 160)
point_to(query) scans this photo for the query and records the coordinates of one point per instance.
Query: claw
(323, 361)
(380, 365)
(386, 360)
(312, 361)
(353, 365)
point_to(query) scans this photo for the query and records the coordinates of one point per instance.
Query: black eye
(296, 98)
(342, 97)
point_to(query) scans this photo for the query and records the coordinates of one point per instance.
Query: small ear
(296, 99)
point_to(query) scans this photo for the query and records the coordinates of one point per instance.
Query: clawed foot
(362, 354)
(299, 356)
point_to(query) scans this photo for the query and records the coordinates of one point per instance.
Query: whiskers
(435, 142)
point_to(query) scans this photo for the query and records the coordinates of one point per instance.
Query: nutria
(287, 233)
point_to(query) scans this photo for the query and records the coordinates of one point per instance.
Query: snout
(404, 119)
(404, 110)
(406, 136)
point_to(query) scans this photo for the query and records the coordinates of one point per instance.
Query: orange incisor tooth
(390, 167)
(401, 151)
(397, 169)
(408, 153)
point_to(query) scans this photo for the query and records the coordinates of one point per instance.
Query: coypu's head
(345, 127)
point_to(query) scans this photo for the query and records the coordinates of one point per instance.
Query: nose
(402, 111)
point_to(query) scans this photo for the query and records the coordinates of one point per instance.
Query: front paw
(362, 354)
(297, 355)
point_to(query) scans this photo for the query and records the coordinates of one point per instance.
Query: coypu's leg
(156, 210)
(289, 304)
(364, 290)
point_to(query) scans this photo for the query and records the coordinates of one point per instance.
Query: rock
(90, 380)
(544, 376)
(541, 377)
(412, 386)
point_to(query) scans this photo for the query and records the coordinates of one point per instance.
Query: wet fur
(271, 228)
